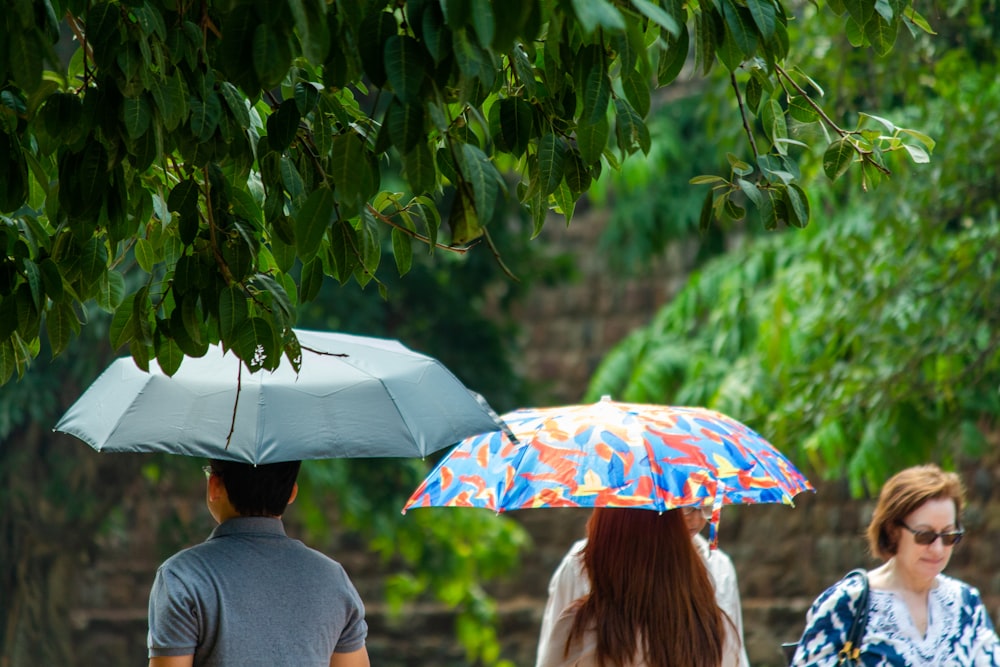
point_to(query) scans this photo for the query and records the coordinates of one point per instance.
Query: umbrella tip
(605, 397)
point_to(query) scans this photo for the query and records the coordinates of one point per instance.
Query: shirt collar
(243, 525)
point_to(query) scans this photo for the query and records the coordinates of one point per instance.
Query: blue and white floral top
(959, 630)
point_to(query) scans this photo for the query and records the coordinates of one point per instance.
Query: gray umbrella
(354, 396)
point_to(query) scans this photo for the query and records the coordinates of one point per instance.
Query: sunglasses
(704, 510)
(928, 537)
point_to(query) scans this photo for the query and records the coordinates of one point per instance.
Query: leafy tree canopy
(870, 342)
(228, 154)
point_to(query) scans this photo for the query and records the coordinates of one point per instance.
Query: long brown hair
(648, 585)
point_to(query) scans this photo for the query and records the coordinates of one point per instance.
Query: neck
(900, 580)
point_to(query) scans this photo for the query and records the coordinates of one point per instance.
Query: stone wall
(784, 556)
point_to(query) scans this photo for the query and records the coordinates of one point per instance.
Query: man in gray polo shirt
(249, 595)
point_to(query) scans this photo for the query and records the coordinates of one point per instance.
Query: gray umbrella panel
(381, 399)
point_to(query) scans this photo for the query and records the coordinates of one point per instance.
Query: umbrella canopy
(612, 454)
(353, 396)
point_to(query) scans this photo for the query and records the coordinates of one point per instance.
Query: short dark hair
(261, 490)
(906, 491)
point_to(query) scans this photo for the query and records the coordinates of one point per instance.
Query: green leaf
(552, 151)
(232, 311)
(654, 13)
(764, 16)
(311, 280)
(565, 201)
(52, 281)
(312, 221)
(707, 179)
(236, 103)
(709, 31)
(630, 130)
(837, 158)
(7, 360)
(673, 58)
(577, 177)
(93, 261)
(913, 17)
(594, 14)
(171, 97)
(751, 191)
(797, 204)
(8, 316)
(406, 125)
(515, 121)
(184, 198)
(855, 33)
(306, 97)
(773, 120)
(524, 71)
(274, 293)
(881, 34)
(343, 250)
(921, 137)
(111, 291)
(123, 324)
(479, 172)
(91, 178)
(462, 219)
(741, 27)
(418, 169)
(729, 52)
(436, 37)
(917, 154)
(271, 56)
(283, 125)
(402, 251)
(257, 345)
(135, 111)
(754, 94)
(801, 110)
(351, 170)
(145, 255)
(205, 116)
(168, 355)
(405, 67)
(25, 67)
(483, 21)
(596, 94)
(592, 139)
(705, 218)
(376, 29)
(860, 10)
(471, 59)
(636, 89)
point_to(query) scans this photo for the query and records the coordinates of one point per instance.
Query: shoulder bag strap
(851, 652)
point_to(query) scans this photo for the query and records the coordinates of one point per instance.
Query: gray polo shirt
(250, 595)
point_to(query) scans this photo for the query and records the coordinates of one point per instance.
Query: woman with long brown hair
(651, 601)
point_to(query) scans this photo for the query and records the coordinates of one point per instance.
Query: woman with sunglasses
(916, 614)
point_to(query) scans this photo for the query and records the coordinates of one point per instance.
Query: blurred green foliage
(871, 341)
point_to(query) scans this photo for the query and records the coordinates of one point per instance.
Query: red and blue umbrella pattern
(612, 454)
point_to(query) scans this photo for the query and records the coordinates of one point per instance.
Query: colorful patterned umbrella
(613, 454)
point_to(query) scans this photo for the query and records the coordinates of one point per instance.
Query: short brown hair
(902, 494)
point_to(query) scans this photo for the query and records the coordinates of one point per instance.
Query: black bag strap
(851, 651)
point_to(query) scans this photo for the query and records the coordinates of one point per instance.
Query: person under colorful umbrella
(570, 582)
(644, 572)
